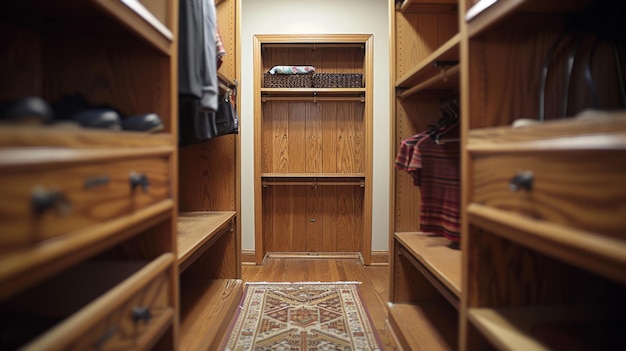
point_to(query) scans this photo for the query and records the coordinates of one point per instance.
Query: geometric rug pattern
(301, 316)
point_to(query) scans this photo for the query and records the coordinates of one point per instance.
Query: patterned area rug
(302, 316)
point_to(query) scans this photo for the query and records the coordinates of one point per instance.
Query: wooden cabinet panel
(307, 137)
(301, 218)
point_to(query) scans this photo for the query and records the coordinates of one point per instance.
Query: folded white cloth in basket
(292, 69)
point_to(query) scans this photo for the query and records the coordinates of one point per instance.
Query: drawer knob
(141, 314)
(522, 181)
(139, 180)
(43, 200)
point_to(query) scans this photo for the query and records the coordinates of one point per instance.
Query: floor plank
(374, 280)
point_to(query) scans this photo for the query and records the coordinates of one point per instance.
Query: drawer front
(130, 316)
(126, 325)
(577, 188)
(38, 205)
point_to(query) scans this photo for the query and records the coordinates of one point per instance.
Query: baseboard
(248, 257)
(379, 258)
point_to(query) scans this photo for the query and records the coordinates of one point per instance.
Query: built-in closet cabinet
(542, 139)
(313, 145)
(544, 204)
(425, 269)
(209, 245)
(87, 240)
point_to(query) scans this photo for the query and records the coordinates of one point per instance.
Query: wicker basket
(287, 80)
(337, 80)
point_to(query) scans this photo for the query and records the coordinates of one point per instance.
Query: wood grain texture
(147, 287)
(301, 137)
(206, 311)
(581, 189)
(417, 35)
(86, 205)
(207, 173)
(424, 326)
(305, 218)
(219, 259)
(438, 255)
(198, 230)
(326, 58)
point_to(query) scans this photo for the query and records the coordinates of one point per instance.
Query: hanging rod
(312, 98)
(445, 75)
(230, 83)
(447, 140)
(266, 184)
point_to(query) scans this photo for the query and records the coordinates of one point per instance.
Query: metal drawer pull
(139, 179)
(141, 314)
(43, 200)
(522, 180)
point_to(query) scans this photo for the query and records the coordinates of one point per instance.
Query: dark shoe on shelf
(76, 109)
(26, 110)
(148, 123)
(98, 118)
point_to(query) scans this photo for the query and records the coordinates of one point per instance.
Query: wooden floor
(374, 279)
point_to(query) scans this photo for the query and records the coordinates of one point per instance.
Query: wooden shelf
(486, 14)
(424, 326)
(197, 231)
(51, 136)
(447, 79)
(534, 136)
(207, 307)
(33, 158)
(437, 255)
(427, 6)
(313, 94)
(108, 286)
(550, 327)
(427, 69)
(141, 21)
(312, 175)
(601, 254)
(45, 260)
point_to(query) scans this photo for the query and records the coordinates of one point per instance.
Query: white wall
(318, 17)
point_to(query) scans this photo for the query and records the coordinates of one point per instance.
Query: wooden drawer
(580, 188)
(129, 316)
(43, 202)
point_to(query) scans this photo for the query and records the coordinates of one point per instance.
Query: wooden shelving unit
(82, 248)
(541, 206)
(425, 269)
(313, 142)
(209, 237)
(530, 256)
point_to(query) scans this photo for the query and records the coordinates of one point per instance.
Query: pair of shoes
(76, 108)
(75, 111)
(26, 110)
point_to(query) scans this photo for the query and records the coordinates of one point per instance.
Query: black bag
(197, 125)
(226, 119)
